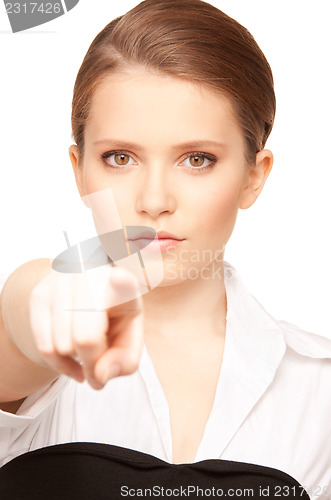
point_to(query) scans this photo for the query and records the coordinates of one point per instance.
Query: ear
(78, 170)
(256, 178)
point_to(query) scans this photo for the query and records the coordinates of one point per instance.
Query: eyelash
(196, 170)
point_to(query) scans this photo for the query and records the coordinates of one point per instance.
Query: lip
(155, 245)
(161, 235)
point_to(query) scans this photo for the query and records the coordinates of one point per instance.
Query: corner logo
(23, 15)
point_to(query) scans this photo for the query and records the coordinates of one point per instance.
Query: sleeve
(43, 419)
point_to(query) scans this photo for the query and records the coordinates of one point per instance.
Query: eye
(197, 161)
(117, 159)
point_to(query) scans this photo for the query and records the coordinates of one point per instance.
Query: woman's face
(172, 153)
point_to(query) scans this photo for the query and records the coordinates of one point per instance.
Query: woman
(175, 132)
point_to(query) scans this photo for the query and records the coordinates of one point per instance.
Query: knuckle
(90, 336)
(46, 351)
(64, 350)
(40, 292)
(85, 342)
(37, 293)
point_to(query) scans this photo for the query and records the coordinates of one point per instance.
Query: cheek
(217, 214)
(93, 179)
(101, 198)
(221, 206)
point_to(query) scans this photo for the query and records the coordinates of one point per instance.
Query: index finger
(125, 339)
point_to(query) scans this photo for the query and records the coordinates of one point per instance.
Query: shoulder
(305, 378)
(304, 342)
(3, 278)
(251, 312)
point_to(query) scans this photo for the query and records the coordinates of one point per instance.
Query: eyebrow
(185, 145)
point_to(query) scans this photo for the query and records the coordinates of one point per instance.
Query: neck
(189, 308)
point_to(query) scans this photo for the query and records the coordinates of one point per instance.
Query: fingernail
(95, 384)
(78, 378)
(111, 372)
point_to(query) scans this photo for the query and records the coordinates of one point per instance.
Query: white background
(280, 246)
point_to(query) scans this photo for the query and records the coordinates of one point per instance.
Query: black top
(100, 471)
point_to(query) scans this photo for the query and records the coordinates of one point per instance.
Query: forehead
(140, 102)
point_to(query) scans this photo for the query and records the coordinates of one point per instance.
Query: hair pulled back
(190, 39)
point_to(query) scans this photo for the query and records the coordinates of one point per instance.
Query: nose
(156, 192)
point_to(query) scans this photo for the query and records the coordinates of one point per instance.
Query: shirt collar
(251, 325)
(254, 348)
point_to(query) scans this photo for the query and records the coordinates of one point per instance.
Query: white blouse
(272, 405)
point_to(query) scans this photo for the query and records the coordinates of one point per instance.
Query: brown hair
(190, 39)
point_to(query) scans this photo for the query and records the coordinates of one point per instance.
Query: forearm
(19, 375)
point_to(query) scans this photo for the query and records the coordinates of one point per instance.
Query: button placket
(158, 401)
